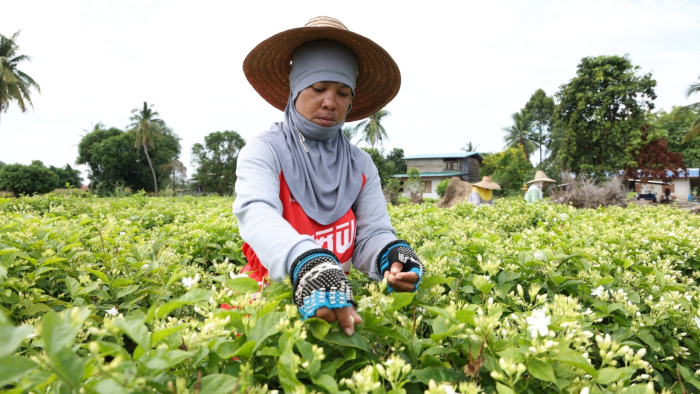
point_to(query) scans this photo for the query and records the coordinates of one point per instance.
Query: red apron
(338, 237)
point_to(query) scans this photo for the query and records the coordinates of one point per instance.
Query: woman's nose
(329, 100)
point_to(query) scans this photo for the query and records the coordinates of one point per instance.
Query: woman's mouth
(326, 121)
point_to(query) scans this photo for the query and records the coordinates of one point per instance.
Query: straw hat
(487, 183)
(541, 177)
(268, 65)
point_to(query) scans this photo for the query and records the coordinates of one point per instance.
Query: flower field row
(124, 295)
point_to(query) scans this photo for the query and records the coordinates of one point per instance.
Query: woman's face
(324, 103)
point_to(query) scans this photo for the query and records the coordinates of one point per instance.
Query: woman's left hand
(401, 281)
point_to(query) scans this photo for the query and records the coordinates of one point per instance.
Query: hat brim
(541, 180)
(488, 185)
(268, 65)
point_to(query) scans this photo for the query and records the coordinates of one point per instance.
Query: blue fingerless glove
(399, 251)
(319, 281)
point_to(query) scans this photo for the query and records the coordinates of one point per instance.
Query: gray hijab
(321, 167)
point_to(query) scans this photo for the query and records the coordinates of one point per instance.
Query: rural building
(680, 187)
(436, 167)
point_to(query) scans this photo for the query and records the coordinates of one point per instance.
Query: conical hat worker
(482, 192)
(309, 203)
(534, 192)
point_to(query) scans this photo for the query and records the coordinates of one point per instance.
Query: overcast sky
(466, 65)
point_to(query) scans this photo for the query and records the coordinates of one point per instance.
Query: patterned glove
(319, 281)
(399, 251)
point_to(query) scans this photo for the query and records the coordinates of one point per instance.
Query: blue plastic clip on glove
(399, 251)
(319, 281)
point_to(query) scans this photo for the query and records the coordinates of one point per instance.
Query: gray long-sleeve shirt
(276, 243)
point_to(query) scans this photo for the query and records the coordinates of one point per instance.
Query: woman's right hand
(322, 290)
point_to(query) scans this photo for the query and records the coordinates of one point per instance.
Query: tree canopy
(519, 134)
(510, 169)
(112, 159)
(67, 174)
(601, 111)
(694, 130)
(216, 161)
(15, 85)
(147, 128)
(373, 132)
(540, 107)
(677, 125)
(21, 179)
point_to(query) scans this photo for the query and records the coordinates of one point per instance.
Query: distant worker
(482, 192)
(534, 192)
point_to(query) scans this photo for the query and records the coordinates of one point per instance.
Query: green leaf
(166, 360)
(108, 386)
(133, 327)
(69, 367)
(400, 300)
(264, 327)
(227, 349)
(438, 350)
(430, 281)
(216, 384)
(14, 368)
(326, 382)
(577, 360)
(503, 389)
(319, 328)
(243, 285)
(355, 340)
(162, 334)
(35, 309)
(73, 286)
(246, 350)
(285, 370)
(59, 329)
(12, 337)
(100, 275)
(482, 284)
(610, 375)
(541, 370)
(438, 375)
(191, 297)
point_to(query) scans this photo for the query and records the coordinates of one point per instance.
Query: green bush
(442, 186)
(21, 179)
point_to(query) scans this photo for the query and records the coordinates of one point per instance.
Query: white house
(680, 187)
(436, 167)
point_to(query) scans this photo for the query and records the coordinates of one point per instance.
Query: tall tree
(602, 110)
(373, 132)
(540, 107)
(66, 174)
(518, 135)
(349, 132)
(510, 169)
(469, 147)
(396, 156)
(15, 85)
(695, 127)
(216, 161)
(148, 127)
(677, 125)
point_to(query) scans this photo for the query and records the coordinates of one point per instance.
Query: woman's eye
(343, 94)
(317, 90)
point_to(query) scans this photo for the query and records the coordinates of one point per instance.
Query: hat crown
(326, 21)
(486, 179)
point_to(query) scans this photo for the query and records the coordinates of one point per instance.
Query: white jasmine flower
(189, 282)
(585, 390)
(122, 233)
(538, 322)
(697, 320)
(598, 291)
(112, 312)
(234, 276)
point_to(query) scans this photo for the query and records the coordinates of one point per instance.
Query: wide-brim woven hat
(268, 65)
(540, 176)
(487, 183)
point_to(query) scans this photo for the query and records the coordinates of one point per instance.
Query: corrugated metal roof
(442, 155)
(692, 173)
(433, 174)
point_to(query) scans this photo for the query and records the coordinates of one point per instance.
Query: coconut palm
(148, 127)
(469, 147)
(349, 132)
(518, 135)
(14, 84)
(373, 132)
(695, 127)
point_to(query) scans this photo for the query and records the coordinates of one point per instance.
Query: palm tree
(518, 135)
(695, 127)
(372, 130)
(555, 142)
(349, 132)
(14, 84)
(469, 147)
(148, 128)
